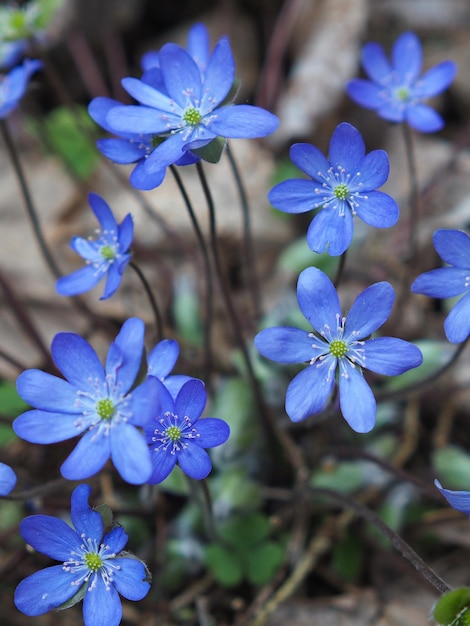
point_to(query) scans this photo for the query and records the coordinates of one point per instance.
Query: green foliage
(297, 256)
(348, 557)
(186, 312)
(10, 406)
(18, 23)
(234, 490)
(452, 465)
(453, 608)
(213, 151)
(343, 477)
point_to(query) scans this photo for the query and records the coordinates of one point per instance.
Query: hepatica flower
(13, 85)
(342, 186)
(337, 350)
(93, 565)
(190, 112)
(107, 255)
(7, 479)
(177, 435)
(453, 246)
(458, 500)
(95, 402)
(395, 90)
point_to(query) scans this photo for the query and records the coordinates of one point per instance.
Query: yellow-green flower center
(105, 409)
(173, 433)
(108, 252)
(338, 348)
(341, 191)
(192, 116)
(93, 561)
(402, 93)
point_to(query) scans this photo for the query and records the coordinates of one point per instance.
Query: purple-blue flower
(337, 350)
(13, 85)
(94, 566)
(453, 246)
(190, 112)
(161, 361)
(107, 255)
(342, 186)
(177, 435)
(458, 500)
(7, 479)
(395, 90)
(99, 403)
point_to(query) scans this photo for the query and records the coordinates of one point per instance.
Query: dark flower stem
(32, 214)
(153, 303)
(414, 190)
(247, 248)
(398, 543)
(201, 487)
(41, 490)
(209, 312)
(340, 270)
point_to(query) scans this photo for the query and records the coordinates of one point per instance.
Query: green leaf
(348, 557)
(186, 311)
(235, 490)
(452, 464)
(224, 565)
(245, 531)
(213, 151)
(263, 562)
(344, 477)
(452, 608)
(297, 256)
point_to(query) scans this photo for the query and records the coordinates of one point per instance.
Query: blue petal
(50, 536)
(372, 172)
(165, 154)
(453, 246)
(140, 179)
(243, 121)
(318, 299)
(370, 310)
(149, 60)
(347, 149)
(194, 461)
(365, 93)
(103, 213)
(121, 151)
(114, 276)
(377, 209)
(86, 521)
(99, 108)
(457, 323)
(310, 160)
(163, 462)
(191, 400)
(147, 95)
(129, 579)
(181, 75)
(126, 233)
(140, 120)
(77, 361)
(445, 282)
(212, 432)
(308, 393)
(435, 80)
(458, 500)
(330, 232)
(285, 344)
(375, 62)
(392, 110)
(130, 341)
(407, 56)
(44, 590)
(424, 119)
(47, 392)
(48, 427)
(162, 358)
(88, 456)
(7, 479)
(116, 539)
(175, 382)
(219, 77)
(357, 401)
(130, 454)
(78, 282)
(294, 196)
(101, 605)
(144, 401)
(86, 248)
(391, 356)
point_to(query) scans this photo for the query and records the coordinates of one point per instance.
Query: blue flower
(94, 402)
(337, 350)
(458, 500)
(453, 246)
(190, 112)
(176, 435)
(13, 85)
(341, 187)
(7, 479)
(93, 565)
(395, 90)
(161, 361)
(107, 255)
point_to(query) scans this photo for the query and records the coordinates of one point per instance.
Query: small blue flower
(93, 565)
(453, 246)
(395, 90)
(107, 255)
(161, 361)
(177, 435)
(341, 187)
(11, 52)
(190, 112)
(337, 350)
(95, 402)
(13, 85)
(7, 479)
(458, 500)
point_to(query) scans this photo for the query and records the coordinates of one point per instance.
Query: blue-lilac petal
(102, 212)
(357, 401)
(365, 93)
(407, 56)
(373, 171)
(445, 282)
(85, 520)
(88, 457)
(49, 535)
(308, 392)
(212, 432)
(195, 462)
(7, 479)
(219, 76)
(191, 400)
(318, 299)
(378, 209)
(310, 160)
(47, 426)
(453, 246)
(129, 579)
(457, 323)
(284, 344)
(390, 356)
(330, 232)
(47, 392)
(43, 591)
(73, 356)
(78, 282)
(243, 121)
(162, 358)
(370, 310)
(101, 605)
(180, 73)
(458, 500)
(436, 79)
(346, 148)
(162, 465)
(130, 454)
(424, 119)
(375, 62)
(294, 196)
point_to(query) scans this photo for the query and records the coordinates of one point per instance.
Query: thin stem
(398, 543)
(247, 248)
(156, 312)
(340, 270)
(209, 299)
(32, 214)
(40, 490)
(414, 190)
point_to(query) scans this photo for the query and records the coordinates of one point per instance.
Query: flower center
(173, 433)
(338, 348)
(107, 252)
(341, 191)
(105, 409)
(192, 116)
(93, 561)
(402, 93)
